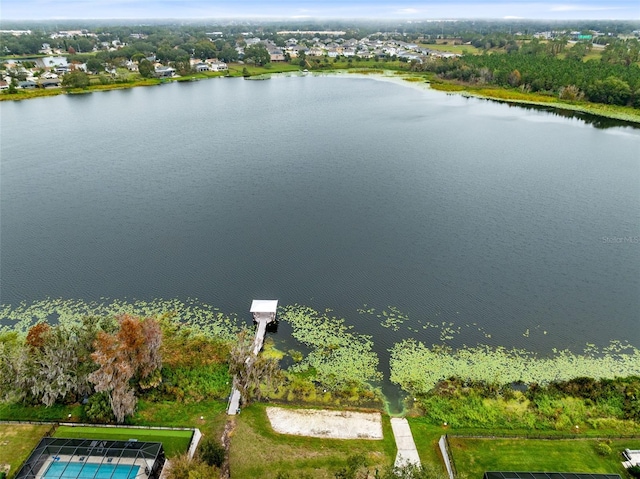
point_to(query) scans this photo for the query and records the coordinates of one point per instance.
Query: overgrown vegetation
(418, 368)
(477, 390)
(108, 356)
(534, 67)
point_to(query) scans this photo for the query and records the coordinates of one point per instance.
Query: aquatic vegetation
(337, 355)
(201, 317)
(417, 368)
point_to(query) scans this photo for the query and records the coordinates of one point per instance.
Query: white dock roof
(264, 306)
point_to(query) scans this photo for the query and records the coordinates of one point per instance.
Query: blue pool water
(83, 470)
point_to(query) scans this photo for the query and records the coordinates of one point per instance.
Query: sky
(321, 9)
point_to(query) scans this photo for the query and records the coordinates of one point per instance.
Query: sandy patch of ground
(326, 424)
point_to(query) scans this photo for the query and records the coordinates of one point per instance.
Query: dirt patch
(326, 424)
(229, 427)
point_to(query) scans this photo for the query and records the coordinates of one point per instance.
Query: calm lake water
(519, 227)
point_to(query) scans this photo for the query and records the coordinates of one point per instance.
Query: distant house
(51, 62)
(315, 52)
(27, 85)
(218, 66)
(165, 72)
(201, 67)
(49, 83)
(4, 85)
(276, 55)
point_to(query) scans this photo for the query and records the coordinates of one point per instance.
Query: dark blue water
(519, 227)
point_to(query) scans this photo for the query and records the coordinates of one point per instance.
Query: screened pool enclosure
(58, 458)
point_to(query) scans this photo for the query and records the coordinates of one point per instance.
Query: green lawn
(174, 442)
(55, 413)
(17, 441)
(426, 437)
(258, 451)
(475, 456)
(459, 49)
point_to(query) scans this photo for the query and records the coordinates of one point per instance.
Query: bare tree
(131, 353)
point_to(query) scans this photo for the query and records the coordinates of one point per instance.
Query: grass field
(459, 49)
(475, 456)
(17, 441)
(174, 442)
(257, 451)
(55, 413)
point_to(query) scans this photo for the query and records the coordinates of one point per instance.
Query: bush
(183, 467)
(634, 471)
(212, 453)
(355, 463)
(98, 409)
(603, 449)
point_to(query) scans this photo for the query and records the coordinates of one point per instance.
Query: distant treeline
(615, 79)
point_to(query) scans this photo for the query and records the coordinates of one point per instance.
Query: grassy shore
(627, 114)
(623, 113)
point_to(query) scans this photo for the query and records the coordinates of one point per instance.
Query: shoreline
(396, 76)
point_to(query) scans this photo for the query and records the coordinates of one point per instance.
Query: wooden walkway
(264, 312)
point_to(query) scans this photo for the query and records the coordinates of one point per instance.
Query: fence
(445, 450)
(549, 437)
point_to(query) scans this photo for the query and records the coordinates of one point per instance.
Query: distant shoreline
(627, 115)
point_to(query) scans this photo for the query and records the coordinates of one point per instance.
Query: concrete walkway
(407, 452)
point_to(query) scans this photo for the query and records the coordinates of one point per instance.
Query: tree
(611, 90)
(76, 79)
(94, 65)
(127, 358)
(251, 371)
(515, 78)
(13, 359)
(257, 54)
(228, 54)
(53, 366)
(145, 67)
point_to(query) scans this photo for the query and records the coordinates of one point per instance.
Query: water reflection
(599, 122)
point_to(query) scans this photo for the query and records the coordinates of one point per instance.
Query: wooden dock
(264, 312)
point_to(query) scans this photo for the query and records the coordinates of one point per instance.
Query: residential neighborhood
(61, 57)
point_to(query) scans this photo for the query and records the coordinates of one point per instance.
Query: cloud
(581, 8)
(407, 11)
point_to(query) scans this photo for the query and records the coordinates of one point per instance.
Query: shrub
(570, 92)
(212, 453)
(355, 463)
(603, 449)
(183, 467)
(98, 409)
(634, 471)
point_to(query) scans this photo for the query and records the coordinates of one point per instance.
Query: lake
(503, 225)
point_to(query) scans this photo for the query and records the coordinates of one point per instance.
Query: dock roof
(264, 306)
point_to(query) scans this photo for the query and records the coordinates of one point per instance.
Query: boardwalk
(407, 452)
(264, 312)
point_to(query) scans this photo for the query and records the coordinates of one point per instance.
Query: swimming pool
(87, 470)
